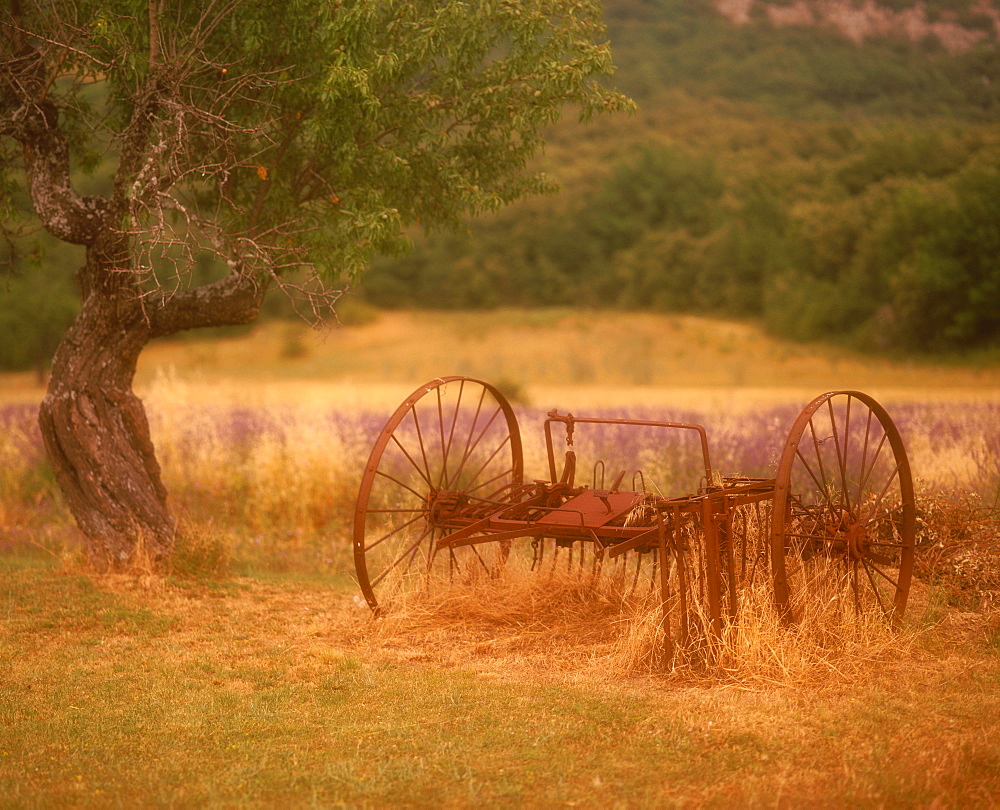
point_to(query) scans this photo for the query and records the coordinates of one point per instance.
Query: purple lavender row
(749, 444)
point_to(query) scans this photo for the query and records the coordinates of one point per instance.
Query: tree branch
(28, 116)
(231, 301)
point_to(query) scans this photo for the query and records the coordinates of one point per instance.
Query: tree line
(886, 242)
(831, 191)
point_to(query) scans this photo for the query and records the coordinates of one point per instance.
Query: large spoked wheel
(844, 515)
(454, 441)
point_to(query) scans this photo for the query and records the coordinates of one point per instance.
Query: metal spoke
(408, 550)
(393, 532)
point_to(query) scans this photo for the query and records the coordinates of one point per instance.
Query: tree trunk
(94, 428)
(97, 436)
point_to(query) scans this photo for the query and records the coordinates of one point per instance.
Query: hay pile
(572, 624)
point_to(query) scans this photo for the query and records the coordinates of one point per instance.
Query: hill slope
(596, 357)
(958, 27)
(832, 187)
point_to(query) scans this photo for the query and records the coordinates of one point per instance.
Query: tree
(945, 292)
(274, 136)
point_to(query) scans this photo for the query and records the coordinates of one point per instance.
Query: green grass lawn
(143, 691)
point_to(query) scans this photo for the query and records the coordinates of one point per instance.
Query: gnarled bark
(95, 428)
(97, 437)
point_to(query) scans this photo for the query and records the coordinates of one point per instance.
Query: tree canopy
(269, 137)
(282, 134)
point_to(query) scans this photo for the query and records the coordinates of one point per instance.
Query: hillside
(830, 170)
(958, 27)
(814, 58)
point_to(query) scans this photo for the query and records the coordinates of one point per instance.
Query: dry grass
(958, 541)
(530, 689)
(522, 623)
(619, 355)
(251, 692)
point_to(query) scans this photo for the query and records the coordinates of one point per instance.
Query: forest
(786, 175)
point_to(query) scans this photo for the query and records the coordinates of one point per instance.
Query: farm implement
(443, 499)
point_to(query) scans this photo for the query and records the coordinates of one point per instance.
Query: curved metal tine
(454, 561)
(638, 567)
(555, 559)
(612, 571)
(815, 512)
(597, 566)
(482, 562)
(803, 562)
(683, 595)
(764, 530)
(598, 464)
(537, 553)
(738, 537)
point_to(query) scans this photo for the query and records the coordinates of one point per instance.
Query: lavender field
(272, 487)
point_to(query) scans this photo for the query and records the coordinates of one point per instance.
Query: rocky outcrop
(860, 20)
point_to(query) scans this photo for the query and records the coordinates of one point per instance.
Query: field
(252, 674)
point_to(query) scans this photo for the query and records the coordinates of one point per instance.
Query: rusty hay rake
(443, 499)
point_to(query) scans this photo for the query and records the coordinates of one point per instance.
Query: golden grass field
(601, 358)
(594, 358)
(252, 674)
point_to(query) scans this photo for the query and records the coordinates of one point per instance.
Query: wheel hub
(444, 505)
(856, 538)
